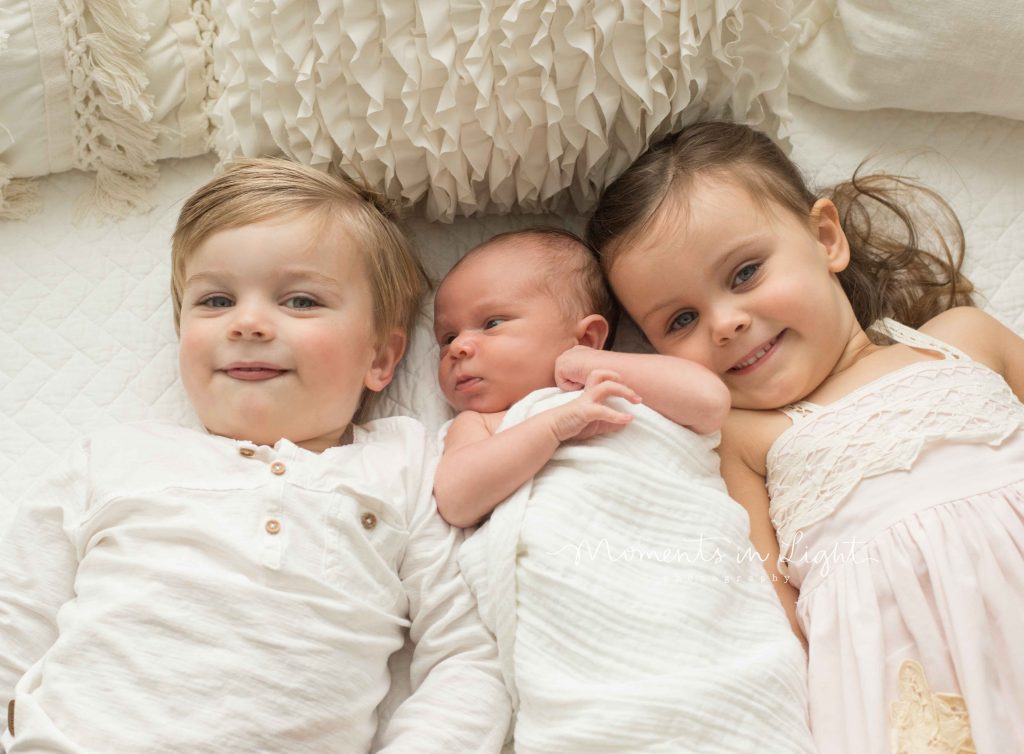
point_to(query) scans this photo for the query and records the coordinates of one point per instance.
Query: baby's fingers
(601, 391)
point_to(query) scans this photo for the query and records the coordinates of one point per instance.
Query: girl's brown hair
(891, 273)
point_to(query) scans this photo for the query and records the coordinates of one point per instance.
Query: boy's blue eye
(301, 302)
(682, 320)
(216, 302)
(493, 322)
(746, 273)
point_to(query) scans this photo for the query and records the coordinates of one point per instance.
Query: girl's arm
(984, 338)
(746, 484)
(679, 389)
(479, 469)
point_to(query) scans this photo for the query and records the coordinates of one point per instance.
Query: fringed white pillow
(490, 106)
(108, 86)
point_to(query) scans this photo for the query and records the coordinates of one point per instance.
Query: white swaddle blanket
(631, 611)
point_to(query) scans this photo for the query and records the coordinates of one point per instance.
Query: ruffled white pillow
(489, 106)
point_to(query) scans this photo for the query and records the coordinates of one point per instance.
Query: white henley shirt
(172, 591)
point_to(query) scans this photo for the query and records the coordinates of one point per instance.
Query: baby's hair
(567, 267)
(890, 273)
(253, 190)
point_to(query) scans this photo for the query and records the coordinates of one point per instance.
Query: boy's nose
(250, 324)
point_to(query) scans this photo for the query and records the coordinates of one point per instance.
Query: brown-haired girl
(885, 463)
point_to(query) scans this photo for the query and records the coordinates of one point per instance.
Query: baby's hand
(587, 415)
(572, 369)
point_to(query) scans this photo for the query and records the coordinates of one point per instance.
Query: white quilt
(85, 320)
(627, 535)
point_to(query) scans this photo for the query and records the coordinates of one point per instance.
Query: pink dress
(900, 512)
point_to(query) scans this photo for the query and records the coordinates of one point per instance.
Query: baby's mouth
(757, 355)
(465, 382)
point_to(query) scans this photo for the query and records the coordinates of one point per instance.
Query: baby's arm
(679, 389)
(479, 469)
(742, 470)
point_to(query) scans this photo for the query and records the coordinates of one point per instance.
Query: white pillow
(938, 56)
(486, 107)
(75, 80)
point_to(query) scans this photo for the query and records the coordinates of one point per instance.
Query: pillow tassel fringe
(115, 134)
(19, 197)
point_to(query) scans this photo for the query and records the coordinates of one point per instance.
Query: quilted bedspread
(85, 322)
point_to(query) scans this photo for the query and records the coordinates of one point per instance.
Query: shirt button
(369, 520)
(247, 452)
(277, 467)
(273, 526)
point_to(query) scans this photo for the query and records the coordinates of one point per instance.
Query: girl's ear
(825, 217)
(592, 331)
(383, 367)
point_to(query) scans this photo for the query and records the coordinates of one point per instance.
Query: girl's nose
(728, 323)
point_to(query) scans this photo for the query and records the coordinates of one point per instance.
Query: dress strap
(799, 409)
(908, 336)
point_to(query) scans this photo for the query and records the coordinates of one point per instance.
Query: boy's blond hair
(252, 190)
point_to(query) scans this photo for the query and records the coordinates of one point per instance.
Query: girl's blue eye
(216, 302)
(682, 320)
(493, 322)
(301, 302)
(746, 273)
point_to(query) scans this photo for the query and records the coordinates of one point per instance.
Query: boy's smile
(253, 371)
(277, 332)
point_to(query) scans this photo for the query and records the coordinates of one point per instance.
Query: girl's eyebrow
(744, 246)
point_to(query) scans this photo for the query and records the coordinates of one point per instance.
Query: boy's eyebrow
(287, 273)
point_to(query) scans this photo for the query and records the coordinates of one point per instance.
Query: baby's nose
(463, 345)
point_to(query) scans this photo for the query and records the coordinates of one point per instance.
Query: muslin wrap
(631, 612)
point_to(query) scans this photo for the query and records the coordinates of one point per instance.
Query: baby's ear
(388, 355)
(592, 331)
(830, 234)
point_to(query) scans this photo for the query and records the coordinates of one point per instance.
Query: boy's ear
(388, 355)
(592, 331)
(825, 218)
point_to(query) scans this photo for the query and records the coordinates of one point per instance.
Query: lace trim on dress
(924, 722)
(817, 462)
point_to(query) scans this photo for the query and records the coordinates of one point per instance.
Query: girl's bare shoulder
(981, 336)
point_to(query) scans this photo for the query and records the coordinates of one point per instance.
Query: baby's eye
(446, 340)
(682, 321)
(492, 322)
(216, 301)
(746, 273)
(301, 302)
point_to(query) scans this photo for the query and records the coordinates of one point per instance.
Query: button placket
(273, 516)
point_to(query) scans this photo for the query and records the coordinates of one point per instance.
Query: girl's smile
(744, 288)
